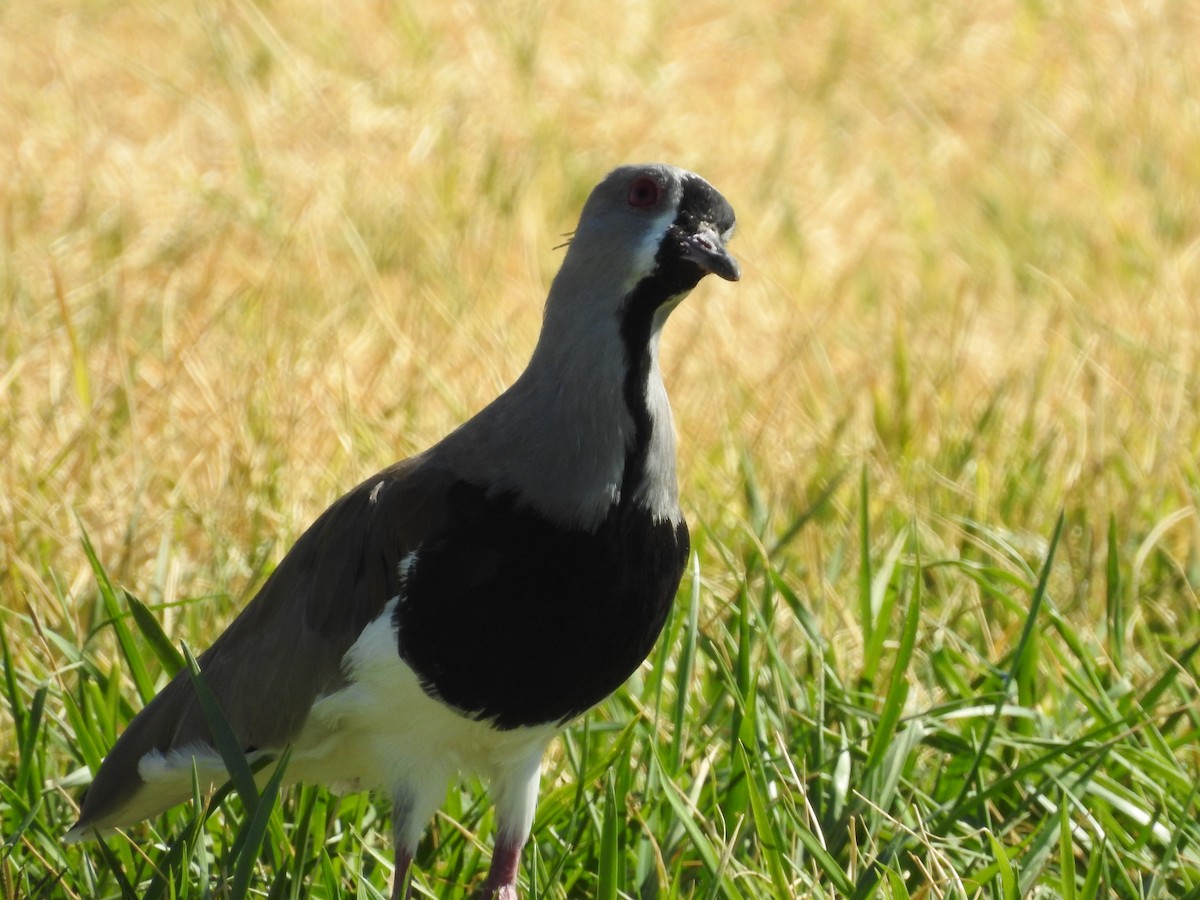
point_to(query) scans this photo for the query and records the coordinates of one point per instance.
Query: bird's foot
(501, 882)
(500, 892)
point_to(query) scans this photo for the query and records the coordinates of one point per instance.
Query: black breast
(510, 618)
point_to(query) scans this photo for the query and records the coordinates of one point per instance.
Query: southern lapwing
(451, 613)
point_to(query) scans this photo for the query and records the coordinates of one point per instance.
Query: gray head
(654, 223)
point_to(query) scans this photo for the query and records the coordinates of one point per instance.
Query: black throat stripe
(672, 276)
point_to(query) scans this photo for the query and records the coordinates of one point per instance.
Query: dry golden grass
(253, 252)
(252, 248)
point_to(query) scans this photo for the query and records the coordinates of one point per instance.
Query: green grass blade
(971, 783)
(169, 658)
(253, 831)
(15, 705)
(897, 886)
(606, 874)
(230, 748)
(307, 796)
(1008, 878)
(897, 694)
(1114, 600)
(200, 855)
(769, 842)
(709, 855)
(866, 615)
(1091, 881)
(1066, 851)
(882, 602)
(807, 515)
(116, 618)
(30, 816)
(27, 782)
(1163, 683)
(117, 871)
(684, 668)
(827, 865)
(171, 875)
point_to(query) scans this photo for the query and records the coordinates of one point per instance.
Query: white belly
(383, 731)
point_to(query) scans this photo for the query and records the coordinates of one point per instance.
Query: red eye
(644, 192)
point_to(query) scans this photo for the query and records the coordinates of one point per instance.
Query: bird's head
(646, 236)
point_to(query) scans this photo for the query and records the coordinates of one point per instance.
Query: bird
(451, 614)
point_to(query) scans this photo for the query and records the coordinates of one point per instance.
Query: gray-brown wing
(286, 646)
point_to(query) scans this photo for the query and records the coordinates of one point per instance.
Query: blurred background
(254, 251)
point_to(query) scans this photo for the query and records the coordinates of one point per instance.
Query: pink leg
(400, 887)
(515, 791)
(412, 805)
(501, 882)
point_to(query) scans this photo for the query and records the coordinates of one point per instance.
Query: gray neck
(560, 436)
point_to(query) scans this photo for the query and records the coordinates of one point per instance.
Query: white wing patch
(167, 781)
(406, 566)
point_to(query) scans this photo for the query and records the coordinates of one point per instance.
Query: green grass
(749, 759)
(938, 448)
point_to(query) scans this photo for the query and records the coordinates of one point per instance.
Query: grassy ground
(939, 447)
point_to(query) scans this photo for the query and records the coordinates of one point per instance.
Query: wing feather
(285, 649)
